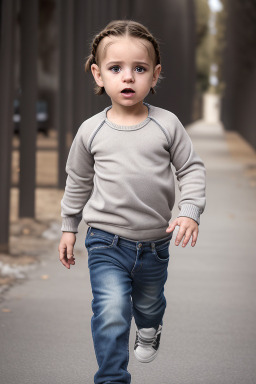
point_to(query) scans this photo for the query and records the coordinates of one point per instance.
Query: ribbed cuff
(191, 211)
(70, 224)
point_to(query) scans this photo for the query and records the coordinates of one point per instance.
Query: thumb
(172, 226)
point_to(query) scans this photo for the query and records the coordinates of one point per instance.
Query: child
(120, 180)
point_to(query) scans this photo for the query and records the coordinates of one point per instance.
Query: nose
(128, 75)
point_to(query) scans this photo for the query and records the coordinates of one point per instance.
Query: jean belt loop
(115, 241)
(153, 246)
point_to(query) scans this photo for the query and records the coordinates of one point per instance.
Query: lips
(127, 90)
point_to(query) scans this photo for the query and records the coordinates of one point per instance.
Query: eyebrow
(120, 62)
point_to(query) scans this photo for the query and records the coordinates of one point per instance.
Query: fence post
(6, 111)
(65, 92)
(28, 129)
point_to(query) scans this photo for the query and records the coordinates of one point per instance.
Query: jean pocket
(93, 242)
(87, 236)
(162, 252)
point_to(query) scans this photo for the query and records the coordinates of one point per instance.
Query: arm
(79, 184)
(190, 173)
(78, 190)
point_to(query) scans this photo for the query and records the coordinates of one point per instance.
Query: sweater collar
(128, 127)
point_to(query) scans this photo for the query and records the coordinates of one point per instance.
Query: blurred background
(208, 59)
(209, 68)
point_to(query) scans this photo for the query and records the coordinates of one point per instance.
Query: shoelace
(141, 341)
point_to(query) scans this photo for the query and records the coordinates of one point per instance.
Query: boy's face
(126, 63)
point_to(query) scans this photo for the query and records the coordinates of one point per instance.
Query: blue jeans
(127, 279)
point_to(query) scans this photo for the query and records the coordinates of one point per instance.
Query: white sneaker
(147, 344)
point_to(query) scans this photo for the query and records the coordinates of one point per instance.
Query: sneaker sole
(141, 360)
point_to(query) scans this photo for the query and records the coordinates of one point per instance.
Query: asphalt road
(209, 333)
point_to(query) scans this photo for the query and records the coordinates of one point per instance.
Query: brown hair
(121, 28)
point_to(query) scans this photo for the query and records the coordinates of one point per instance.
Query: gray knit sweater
(120, 178)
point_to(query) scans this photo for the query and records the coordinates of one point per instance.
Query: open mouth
(127, 90)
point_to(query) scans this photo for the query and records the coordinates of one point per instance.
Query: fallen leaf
(26, 231)
(6, 310)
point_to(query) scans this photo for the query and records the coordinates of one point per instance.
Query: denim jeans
(127, 279)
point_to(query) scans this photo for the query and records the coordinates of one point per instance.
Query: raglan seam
(163, 130)
(92, 136)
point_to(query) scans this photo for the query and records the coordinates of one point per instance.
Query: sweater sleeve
(190, 173)
(79, 183)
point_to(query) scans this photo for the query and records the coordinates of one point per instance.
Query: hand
(66, 249)
(187, 228)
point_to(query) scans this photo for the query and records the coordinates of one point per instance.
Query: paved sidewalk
(209, 333)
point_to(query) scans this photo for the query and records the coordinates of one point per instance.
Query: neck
(128, 115)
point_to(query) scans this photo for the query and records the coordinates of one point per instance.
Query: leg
(111, 320)
(149, 302)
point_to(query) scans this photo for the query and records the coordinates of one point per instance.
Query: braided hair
(121, 28)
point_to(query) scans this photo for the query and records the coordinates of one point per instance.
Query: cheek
(109, 78)
(146, 81)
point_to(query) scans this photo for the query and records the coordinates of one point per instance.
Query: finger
(194, 238)
(180, 235)
(63, 257)
(70, 250)
(62, 252)
(71, 261)
(186, 238)
(172, 226)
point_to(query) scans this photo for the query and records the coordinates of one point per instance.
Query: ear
(156, 74)
(97, 75)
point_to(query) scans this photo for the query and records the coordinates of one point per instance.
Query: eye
(140, 69)
(115, 69)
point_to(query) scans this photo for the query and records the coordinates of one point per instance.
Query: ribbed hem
(153, 234)
(191, 211)
(70, 224)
